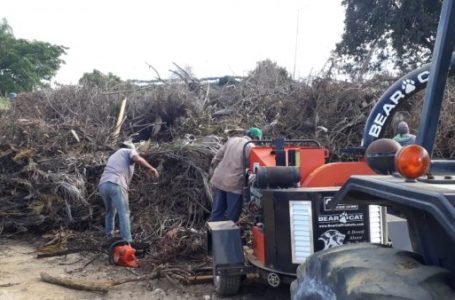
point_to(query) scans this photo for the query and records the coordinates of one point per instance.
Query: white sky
(214, 37)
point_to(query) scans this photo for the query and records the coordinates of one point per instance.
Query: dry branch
(9, 284)
(120, 119)
(198, 279)
(78, 284)
(60, 253)
(104, 285)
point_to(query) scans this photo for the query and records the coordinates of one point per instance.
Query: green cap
(255, 132)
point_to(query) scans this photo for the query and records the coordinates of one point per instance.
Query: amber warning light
(412, 161)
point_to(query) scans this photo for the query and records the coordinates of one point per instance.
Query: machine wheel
(227, 285)
(369, 271)
(273, 280)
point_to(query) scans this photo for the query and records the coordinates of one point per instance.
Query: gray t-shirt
(228, 175)
(119, 168)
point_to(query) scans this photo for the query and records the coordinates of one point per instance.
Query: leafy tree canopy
(100, 80)
(387, 35)
(268, 73)
(24, 64)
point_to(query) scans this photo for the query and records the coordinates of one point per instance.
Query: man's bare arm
(143, 163)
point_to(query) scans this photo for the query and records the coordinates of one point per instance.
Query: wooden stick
(198, 279)
(8, 284)
(78, 284)
(85, 265)
(63, 252)
(120, 119)
(94, 285)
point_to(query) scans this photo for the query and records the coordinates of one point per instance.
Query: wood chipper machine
(288, 187)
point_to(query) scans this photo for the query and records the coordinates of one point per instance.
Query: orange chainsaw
(123, 254)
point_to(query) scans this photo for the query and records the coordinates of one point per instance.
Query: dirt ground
(20, 279)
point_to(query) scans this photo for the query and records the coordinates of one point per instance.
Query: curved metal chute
(390, 102)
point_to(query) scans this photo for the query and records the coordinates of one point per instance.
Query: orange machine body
(314, 171)
(258, 243)
(125, 255)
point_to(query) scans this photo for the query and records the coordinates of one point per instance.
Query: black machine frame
(428, 204)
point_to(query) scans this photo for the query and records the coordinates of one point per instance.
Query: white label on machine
(301, 220)
(340, 206)
(376, 231)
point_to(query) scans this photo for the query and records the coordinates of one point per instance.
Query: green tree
(269, 74)
(383, 35)
(100, 80)
(24, 64)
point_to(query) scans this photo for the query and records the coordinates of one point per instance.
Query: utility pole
(296, 42)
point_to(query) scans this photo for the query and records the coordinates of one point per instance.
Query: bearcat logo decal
(332, 238)
(408, 86)
(392, 98)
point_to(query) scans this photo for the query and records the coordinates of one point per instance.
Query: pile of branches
(54, 144)
(41, 184)
(49, 181)
(171, 212)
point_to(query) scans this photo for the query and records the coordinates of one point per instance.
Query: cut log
(199, 279)
(78, 284)
(94, 285)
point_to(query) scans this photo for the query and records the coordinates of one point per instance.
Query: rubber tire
(369, 271)
(227, 285)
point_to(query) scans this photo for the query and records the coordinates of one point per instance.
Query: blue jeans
(116, 200)
(225, 206)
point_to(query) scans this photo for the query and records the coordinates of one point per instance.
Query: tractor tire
(227, 285)
(369, 271)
